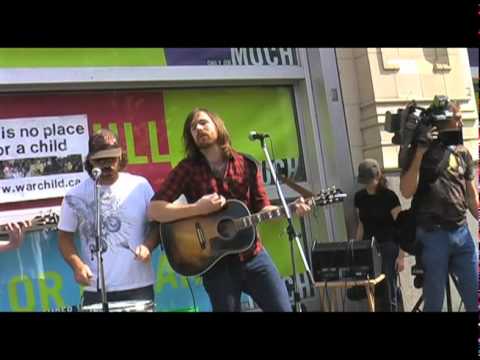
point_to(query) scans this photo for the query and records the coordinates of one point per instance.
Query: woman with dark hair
(378, 208)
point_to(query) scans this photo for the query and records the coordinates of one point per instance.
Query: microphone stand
(98, 249)
(290, 230)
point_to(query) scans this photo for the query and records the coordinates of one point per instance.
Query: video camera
(405, 123)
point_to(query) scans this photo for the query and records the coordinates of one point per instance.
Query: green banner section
(275, 239)
(81, 57)
(263, 109)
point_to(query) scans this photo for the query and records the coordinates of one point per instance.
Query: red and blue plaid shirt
(194, 179)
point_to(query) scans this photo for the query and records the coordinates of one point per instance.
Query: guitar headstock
(45, 222)
(329, 196)
(50, 219)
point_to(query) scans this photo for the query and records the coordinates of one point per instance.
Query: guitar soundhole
(226, 228)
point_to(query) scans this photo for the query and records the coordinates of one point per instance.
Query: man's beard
(108, 172)
(204, 144)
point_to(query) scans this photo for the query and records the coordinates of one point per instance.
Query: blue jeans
(258, 277)
(444, 252)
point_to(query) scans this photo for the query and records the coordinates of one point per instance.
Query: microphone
(257, 136)
(96, 172)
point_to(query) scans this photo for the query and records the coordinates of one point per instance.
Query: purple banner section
(473, 56)
(231, 56)
(196, 56)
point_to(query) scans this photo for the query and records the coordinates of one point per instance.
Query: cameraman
(441, 180)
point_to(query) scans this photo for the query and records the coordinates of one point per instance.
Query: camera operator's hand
(425, 136)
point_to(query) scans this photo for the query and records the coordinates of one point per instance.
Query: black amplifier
(353, 259)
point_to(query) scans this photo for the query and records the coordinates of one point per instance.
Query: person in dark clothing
(378, 208)
(441, 180)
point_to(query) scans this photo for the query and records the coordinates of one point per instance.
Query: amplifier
(346, 260)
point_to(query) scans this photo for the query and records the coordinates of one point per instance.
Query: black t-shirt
(440, 198)
(375, 213)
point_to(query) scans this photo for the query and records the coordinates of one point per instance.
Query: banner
(35, 278)
(231, 56)
(41, 157)
(80, 57)
(132, 57)
(473, 59)
(149, 124)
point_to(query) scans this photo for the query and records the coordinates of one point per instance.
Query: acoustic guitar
(196, 244)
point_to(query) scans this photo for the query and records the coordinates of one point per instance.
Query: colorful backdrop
(149, 124)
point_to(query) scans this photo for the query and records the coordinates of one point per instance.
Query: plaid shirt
(195, 179)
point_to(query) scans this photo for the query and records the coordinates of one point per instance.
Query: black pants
(144, 293)
(388, 295)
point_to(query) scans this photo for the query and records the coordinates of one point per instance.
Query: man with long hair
(211, 173)
(126, 241)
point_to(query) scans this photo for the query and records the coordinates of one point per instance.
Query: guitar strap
(253, 165)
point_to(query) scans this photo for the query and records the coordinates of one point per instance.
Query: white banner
(41, 157)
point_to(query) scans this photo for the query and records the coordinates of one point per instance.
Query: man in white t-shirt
(127, 238)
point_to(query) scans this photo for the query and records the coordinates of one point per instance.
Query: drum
(122, 306)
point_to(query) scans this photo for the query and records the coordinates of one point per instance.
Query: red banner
(137, 116)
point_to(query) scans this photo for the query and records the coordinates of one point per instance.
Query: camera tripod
(416, 308)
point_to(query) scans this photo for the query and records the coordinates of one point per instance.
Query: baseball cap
(104, 144)
(367, 171)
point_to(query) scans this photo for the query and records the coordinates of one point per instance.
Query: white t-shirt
(124, 221)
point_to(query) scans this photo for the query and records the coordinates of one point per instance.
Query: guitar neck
(325, 198)
(4, 232)
(38, 223)
(257, 218)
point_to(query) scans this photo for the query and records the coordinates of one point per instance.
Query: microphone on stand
(253, 135)
(96, 172)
